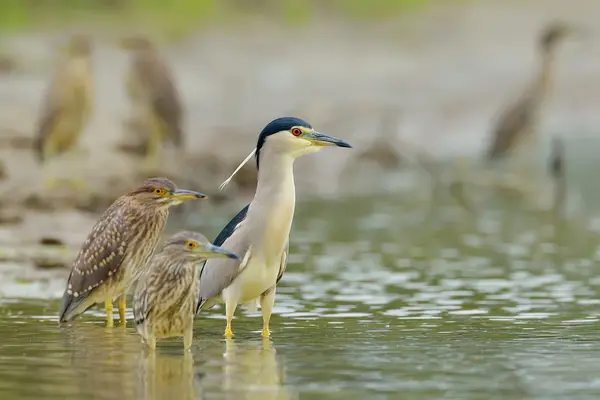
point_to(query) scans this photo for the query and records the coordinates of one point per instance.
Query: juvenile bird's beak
(321, 139)
(183, 195)
(212, 251)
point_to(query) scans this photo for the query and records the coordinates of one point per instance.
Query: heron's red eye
(190, 245)
(296, 131)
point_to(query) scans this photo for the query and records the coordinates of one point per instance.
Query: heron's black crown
(275, 126)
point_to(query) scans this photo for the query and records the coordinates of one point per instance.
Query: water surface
(383, 298)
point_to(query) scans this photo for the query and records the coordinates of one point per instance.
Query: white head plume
(237, 169)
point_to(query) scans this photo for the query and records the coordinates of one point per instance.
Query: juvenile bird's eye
(159, 191)
(296, 131)
(190, 245)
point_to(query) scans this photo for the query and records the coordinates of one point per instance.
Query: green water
(382, 299)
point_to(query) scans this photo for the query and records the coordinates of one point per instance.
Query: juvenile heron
(516, 128)
(259, 233)
(151, 87)
(67, 104)
(164, 302)
(117, 249)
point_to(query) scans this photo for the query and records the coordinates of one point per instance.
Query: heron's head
(136, 42)
(294, 137)
(79, 45)
(161, 192)
(194, 246)
(555, 33)
(289, 136)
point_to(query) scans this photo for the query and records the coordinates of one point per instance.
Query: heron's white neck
(272, 209)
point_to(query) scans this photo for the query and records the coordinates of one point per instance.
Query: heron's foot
(122, 308)
(265, 332)
(228, 332)
(108, 306)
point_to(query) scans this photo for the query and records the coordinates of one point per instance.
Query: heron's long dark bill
(212, 251)
(321, 139)
(183, 195)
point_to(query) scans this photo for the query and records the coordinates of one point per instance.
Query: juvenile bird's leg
(154, 140)
(230, 307)
(77, 181)
(188, 334)
(267, 300)
(122, 304)
(51, 181)
(108, 306)
(151, 341)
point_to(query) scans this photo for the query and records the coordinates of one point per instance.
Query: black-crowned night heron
(151, 88)
(67, 104)
(117, 249)
(516, 127)
(164, 302)
(259, 233)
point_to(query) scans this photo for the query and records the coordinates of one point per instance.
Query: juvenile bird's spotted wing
(65, 108)
(514, 122)
(217, 274)
(156, 76)
(98, 260)
(162, 288)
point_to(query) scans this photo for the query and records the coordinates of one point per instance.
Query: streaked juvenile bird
(259, 233)
(517, 125)
(118, 248)
(164, 302)
(151, 87)
(67, 104)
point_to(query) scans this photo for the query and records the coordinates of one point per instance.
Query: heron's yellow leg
(266, 307)
(108, 306)
(122, 303)
(229, 310)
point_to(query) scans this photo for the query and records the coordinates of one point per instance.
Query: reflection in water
(166, 376)
(250, 370)
(100, 365)
(502, 305)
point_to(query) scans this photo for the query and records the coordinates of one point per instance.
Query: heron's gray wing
(216, 274)
(99, 258)
(514, 122)
(283, 264)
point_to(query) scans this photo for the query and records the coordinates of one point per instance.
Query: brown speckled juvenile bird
(517, 126)
(164, 302)
(119, 246)
(67, 103)
(150, 86)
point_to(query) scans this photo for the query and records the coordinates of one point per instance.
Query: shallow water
(400, 300)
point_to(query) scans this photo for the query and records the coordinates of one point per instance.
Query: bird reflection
(251, 371)
(166, 376)
(99, 364)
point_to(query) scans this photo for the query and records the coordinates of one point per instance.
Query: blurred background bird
(117, 249)
(259, 233)
(153, 94)
(66, 107)
(516, 129)
(164, 302)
